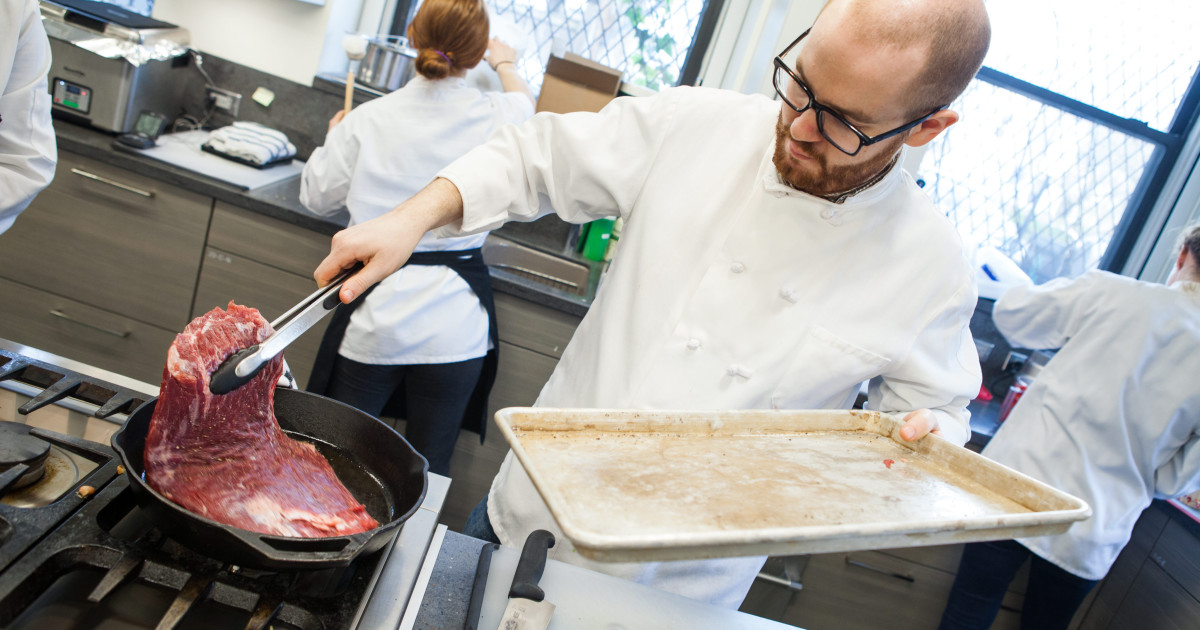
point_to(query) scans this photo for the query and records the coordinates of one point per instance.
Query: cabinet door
(1156, 601)
(227, 276)
(519, 379)
(269, 241)
(82, 332)
(112, 239)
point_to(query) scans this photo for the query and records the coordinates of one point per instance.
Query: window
(1070, 130)
(655, 43)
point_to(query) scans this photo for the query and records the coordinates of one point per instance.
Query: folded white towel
(252, 142)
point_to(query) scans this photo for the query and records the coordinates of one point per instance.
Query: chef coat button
(836, 221)
(737, 267)
(693, 344)
(788, 294)
(827, 213)
(737, 370)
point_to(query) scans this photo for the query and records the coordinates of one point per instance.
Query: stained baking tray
(670, 485)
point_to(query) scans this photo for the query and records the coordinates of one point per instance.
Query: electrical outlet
(225, 99)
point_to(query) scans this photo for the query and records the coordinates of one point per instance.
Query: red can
(1015, 391)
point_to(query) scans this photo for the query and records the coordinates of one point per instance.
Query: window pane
(1043, 186)
(648, 40)
(1132, 59)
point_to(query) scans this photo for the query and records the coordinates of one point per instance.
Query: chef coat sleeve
(325, 181)
(28, 153)
(584, 165)
(1045, 315)
(1181, 473)
(940, 372)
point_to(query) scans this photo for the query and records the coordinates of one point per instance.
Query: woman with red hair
(424, 338)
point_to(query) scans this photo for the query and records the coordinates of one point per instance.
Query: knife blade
(527, 608)
(241, 366)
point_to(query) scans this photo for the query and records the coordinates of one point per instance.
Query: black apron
(468, 263)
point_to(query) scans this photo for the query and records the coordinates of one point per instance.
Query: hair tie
(443, 56)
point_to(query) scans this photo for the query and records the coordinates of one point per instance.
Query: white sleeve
(1180, 474)
(585, 165)
(28, 153)
(1045, 315)
(325, 181)
(940, 373)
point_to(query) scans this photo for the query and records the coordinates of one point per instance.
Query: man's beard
(826, 180)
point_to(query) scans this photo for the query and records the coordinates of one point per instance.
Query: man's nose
(804, 127)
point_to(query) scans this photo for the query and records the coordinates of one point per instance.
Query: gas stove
(76, 551)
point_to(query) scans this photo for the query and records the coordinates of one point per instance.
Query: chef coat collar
(872, 190)
(448, 83)
(1187, 286)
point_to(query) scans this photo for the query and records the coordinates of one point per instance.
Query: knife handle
(530, 566)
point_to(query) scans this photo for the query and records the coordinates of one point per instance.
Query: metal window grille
(648, 40)
(1061, 144)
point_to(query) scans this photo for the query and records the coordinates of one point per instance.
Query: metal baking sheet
(670, 485)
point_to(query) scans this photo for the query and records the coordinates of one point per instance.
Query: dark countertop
(445, 602)
(282, 201)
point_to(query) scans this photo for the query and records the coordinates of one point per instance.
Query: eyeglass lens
(833, 129)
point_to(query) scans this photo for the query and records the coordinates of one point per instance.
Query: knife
(242, 365)
(527, 608)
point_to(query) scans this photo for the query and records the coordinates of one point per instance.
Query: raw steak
(224, 456)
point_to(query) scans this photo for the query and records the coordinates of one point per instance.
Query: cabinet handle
(782, 581)
(104, 180)
(898, 576)
(61, 315)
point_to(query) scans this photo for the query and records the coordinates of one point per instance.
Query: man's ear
(931, 128)
(1183, 256)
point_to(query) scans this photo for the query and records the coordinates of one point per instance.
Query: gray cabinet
(532, 338)
(1155, 582)
(899, 589)
(104, 265)
(265, 263)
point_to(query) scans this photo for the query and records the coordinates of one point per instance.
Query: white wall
(281, 37)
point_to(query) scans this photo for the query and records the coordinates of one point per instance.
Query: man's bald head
(952, 35)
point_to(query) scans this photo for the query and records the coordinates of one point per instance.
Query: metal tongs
(242, 365)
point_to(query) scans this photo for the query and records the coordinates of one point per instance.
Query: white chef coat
(382, 153)
(1114, 417)
(28, 152)
(729, 288)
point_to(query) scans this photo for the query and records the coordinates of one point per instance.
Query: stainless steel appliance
(77, 551)
(110, 64)
(388, 64)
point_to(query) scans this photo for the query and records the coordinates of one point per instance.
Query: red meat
(224, 456)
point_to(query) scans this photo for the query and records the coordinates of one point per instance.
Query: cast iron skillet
(376, 464)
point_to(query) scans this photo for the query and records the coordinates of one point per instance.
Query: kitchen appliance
(110, 64)
(77, 549)
(388, 64)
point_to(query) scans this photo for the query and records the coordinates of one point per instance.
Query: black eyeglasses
(832, 126)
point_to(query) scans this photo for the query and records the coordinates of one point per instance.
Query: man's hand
(918, 424)
(384, 243)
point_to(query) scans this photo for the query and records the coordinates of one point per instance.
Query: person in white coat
(773, 255)
(1113, 418)
(425, 338)
(28, 153)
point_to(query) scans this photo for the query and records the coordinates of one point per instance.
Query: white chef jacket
(729, 289)
(1114, 417)
(382, 153)
(28, 152)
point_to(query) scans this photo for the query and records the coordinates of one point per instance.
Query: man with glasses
(772, 255)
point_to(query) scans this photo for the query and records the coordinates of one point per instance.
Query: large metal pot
(376, 464)
(388, 64)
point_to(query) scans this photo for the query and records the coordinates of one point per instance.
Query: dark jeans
(436, 396)
(478, 524)
(1051, 599)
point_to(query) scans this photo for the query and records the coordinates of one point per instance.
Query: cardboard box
(575, 84)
